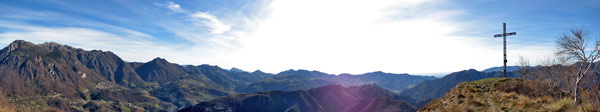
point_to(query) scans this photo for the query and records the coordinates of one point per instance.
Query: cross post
(503, 35)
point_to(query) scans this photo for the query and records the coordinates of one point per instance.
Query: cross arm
(507, 34)
(498, 35)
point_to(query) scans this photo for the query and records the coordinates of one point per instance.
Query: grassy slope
(499, 94)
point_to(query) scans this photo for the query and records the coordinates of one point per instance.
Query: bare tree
(523, 65)
(574, 45)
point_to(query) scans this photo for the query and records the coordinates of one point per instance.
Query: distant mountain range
(51, 76)
(303, 79)
(331, 98)
(501, 69)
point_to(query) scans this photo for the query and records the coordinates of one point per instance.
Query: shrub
(590, 99)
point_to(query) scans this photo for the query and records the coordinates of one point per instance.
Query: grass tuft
(561, 105)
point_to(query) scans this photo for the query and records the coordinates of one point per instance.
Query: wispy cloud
(207, 19)
(170, 5)
(201, 28)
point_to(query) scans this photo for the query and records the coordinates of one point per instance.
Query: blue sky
(336, 36)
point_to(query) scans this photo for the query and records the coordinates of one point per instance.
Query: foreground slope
(331, 98)
(500, 94)
(432, 89)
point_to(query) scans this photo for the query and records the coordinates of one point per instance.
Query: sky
(421, 37)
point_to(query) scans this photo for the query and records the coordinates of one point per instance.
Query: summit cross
(503, 35)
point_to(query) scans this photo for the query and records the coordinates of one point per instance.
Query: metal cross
(503, 35)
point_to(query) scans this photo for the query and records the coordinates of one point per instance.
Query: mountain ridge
(73, 79)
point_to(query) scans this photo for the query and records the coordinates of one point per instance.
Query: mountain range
(303, 79)
(51, 76)
(271, 101)
(501, 69)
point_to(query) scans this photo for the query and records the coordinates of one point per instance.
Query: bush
(590, 99)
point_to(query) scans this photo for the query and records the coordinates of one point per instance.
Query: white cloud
(353, 36)
(171, 6)
(216, 25)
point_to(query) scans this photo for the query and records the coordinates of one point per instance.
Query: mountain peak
(51, 44)
(299, 71)
(258, 71)
(47, 45)
(377, 72)
(56, 46)
(18, 43)
(209, 66)
(158, 59)
(236, 70)
(472, 70)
